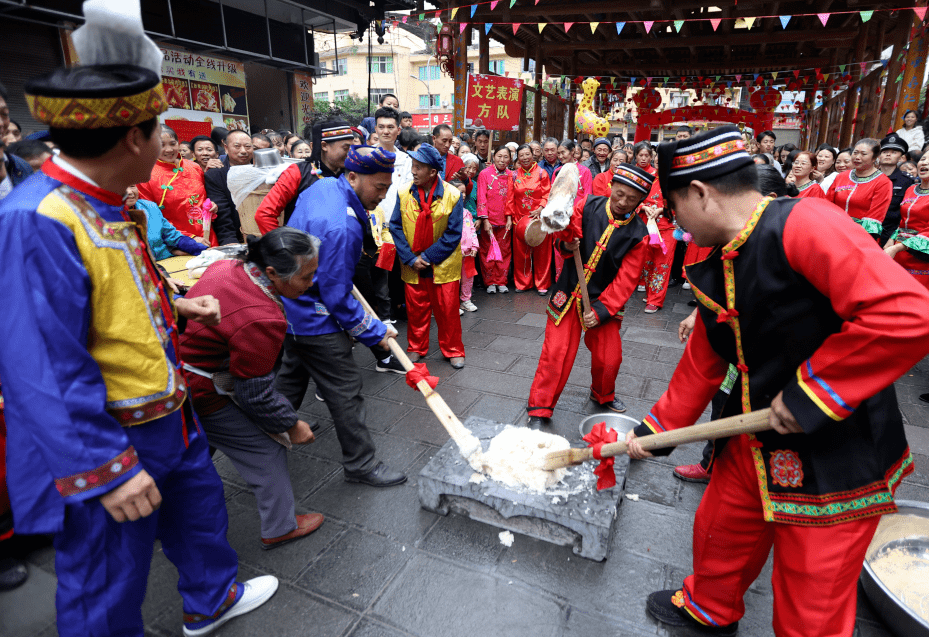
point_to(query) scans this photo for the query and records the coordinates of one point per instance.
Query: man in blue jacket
(324, 320)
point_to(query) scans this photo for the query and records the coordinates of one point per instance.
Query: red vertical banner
(494, 102)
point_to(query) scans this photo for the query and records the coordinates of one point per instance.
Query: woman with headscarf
(527, 197)
(176, 187)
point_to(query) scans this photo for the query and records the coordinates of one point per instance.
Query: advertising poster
(494, 102)
(204, 88)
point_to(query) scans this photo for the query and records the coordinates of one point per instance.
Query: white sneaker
(641, 288)
(503, 289)
(460, 311)
(686, 285)
(468, 306)
(255, 592)
(492, 289)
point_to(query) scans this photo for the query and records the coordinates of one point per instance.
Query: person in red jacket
(331, 141)
(819, 324)
(863, 192)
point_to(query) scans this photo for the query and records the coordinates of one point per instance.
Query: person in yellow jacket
(426, 228)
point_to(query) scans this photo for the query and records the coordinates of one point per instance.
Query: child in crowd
(469, 251)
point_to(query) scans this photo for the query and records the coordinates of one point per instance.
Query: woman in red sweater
(231, 376)
(804, 163)
(527, 197)
(863, 192)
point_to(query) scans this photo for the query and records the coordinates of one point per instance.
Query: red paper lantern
(444, 50)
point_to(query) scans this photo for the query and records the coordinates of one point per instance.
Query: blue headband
(377, 160)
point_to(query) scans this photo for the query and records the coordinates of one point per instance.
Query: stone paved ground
(382, 567)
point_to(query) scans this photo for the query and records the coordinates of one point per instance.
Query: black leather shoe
(614, 405)
(692, 303)
(538, 421)
(380, 476)
(661, 607)
(924, 398)
(13, 573)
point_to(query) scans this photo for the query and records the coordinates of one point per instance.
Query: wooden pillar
(809, 103)
(889, 96)
(483, 62)
(912, 85)
(851, 98)
(572, 100)
(461, 79)
(537, 111)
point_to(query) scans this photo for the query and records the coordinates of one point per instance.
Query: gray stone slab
(652, 337)
(583, 520)
(533, 320)
(918, 437)
(29, 609)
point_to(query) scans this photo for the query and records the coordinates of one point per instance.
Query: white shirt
(915, 137)
(827, 182)
(6, 185)
(402, 175)
(68, 168)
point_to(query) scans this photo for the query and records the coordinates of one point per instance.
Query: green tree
(352, 109)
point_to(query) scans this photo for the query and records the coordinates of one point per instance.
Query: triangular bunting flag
(784, 20)
(678, 24)
(866, 15)
(749, 22)
(648, 25)
(437, 13)
(515, 27)
(454, 11)
(593, 26)
(567, 26)
(422, 16)
(921, 12)
(826, 77)
(541, 26)
(473, 9)
(755, 76)
(715, 22)
(512, 2)
(842, 68)
(619, 27)
(537, 1)
(462, 27)
(666, 80)
(648, 81)
(404, 19)
(796, 75)
(738, 77)
(863, 66)
(823, 17)
(774, 74)
(493, 4)
(487, 27)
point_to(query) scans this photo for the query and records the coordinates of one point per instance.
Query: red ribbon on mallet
(599, 436)
(418, 373)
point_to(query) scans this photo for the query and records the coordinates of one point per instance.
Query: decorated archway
(764, 101)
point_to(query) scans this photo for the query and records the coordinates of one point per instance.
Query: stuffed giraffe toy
(587, 121)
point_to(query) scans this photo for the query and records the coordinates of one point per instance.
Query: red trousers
(422, 301)
(816, 569)
(919, 269)
(557, 359)
(657, 269)
(532, 266)
(495, 272)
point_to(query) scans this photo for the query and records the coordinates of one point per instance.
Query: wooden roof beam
(748, 39)
(697, 68)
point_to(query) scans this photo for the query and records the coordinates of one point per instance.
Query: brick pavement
(382, 567)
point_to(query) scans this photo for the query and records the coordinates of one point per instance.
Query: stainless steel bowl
(267, 158)
(620, 423)
(900, 618)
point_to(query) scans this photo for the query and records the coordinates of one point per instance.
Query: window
(471, 67)
(321, 97)
(381, 64)
(340, 66)
(338, 96)
(425, 101)
(378, 93)
(497, 66)
(429, 72)
(679, 100)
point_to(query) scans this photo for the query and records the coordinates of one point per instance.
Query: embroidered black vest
(603, 259)
(840, 471)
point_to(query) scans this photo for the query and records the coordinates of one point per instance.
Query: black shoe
(924, 398)
(692, 303)
(380, 476)
(12, 573)
(673, 283)
(538, 421)
(391, 365)
(661, 607)
(614, 405)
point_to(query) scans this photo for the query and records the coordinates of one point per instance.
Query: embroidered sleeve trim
(362, 327)
(102, 475)
(871, 226)
(917, 243)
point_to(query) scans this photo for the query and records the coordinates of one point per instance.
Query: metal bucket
(530, 231)
(618, 422)
(901, 619)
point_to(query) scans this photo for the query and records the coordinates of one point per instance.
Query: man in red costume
(612, 242)
(819, 325)
(426, 227)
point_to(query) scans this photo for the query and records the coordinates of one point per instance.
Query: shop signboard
(421, 120)
(494, 102)
(303, 99)
(204, 88)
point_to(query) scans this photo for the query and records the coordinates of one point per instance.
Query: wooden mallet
(468, 444)
(723, 428)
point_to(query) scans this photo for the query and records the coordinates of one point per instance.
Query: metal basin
(618, 422)
(893, 535)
